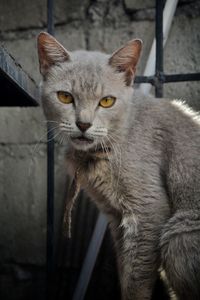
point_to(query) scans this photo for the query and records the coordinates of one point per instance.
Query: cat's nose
(83, 126)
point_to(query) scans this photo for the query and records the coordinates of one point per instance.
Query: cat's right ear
(126, 58)
(50, 52)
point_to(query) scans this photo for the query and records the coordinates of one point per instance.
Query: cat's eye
(107, 102)
(65, 97)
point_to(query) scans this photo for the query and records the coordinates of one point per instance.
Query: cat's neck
(95, 154)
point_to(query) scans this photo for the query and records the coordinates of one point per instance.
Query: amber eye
(65, 97)
(107, 102)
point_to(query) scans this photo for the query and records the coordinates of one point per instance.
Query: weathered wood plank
(17, 87)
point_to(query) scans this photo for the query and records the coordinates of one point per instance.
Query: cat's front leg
(137, 253)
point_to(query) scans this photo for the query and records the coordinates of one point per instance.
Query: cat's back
(160, 127)
(168, 134)
(181, 125)
(178, 122)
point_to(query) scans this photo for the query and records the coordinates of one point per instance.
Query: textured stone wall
(89, 24)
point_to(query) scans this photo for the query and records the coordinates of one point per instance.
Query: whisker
(50, 121)
(35, 149)
(117, 151)
(111, 168)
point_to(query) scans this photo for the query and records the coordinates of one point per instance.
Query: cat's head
(87, 95)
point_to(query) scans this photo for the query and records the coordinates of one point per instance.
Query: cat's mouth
(82, 140)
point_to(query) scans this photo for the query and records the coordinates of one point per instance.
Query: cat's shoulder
(176, 110)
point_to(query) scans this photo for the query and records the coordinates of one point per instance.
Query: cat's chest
(98, 179)
(116, 187)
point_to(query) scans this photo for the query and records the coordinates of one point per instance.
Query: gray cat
(138, 158)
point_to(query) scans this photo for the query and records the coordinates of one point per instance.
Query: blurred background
(79, 24)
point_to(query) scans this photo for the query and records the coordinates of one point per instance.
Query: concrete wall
(102, 25)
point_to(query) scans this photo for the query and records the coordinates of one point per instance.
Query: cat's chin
(90, 146)
(93, 151)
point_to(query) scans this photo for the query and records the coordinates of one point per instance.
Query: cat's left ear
(126, 58)
(50, 52)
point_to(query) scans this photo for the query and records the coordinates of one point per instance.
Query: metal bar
(50, 16)
(50, 180)
(166, 78)
(181, 77)
(159, 48)
(91, 256)
(50, 201)
(145, 79)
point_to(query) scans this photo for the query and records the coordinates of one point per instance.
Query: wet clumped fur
(138, 158)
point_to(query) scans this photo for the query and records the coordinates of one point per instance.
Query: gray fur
(148, 184)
